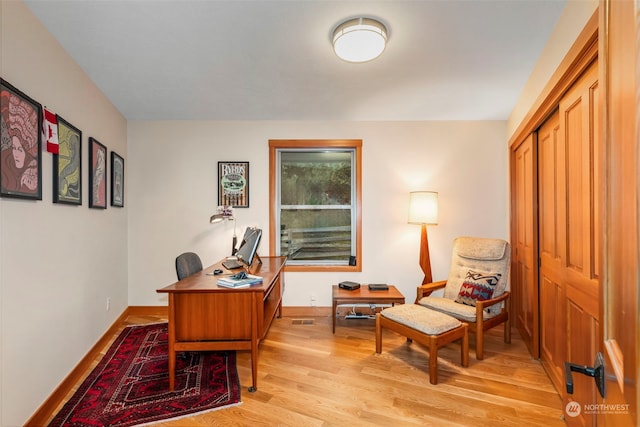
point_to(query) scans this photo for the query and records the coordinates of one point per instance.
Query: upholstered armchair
(477, 288)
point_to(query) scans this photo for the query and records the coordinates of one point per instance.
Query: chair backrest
(187, 264)
(481, 255)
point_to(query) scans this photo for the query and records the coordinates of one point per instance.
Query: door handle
(597, 372)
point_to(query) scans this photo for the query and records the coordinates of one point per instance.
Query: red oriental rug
(130, 385)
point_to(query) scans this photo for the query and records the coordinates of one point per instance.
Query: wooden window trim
(276, 144)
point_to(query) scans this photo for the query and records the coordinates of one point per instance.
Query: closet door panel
(524, 280)
(552, 314)
(579, 129)
(553, 230)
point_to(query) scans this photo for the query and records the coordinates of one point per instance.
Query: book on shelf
(230, 282)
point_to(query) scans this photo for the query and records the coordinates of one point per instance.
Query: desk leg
(172, 340)
(254, 344)
(281, 279)
(254, 367)
(172, 368)
(333, 317)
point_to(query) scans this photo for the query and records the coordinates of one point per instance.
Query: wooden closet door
(552, 238)
(620, 322)
(570, 238)
(524, 301)
(581, 112)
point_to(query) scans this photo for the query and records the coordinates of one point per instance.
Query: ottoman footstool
(427, 327)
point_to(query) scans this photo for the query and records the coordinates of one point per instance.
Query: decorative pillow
(477, 286)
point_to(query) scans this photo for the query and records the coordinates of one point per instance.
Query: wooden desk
(206, 317)
(363, 295)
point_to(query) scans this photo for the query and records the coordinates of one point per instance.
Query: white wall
(58, 263)
(571, 22)
(172, 169)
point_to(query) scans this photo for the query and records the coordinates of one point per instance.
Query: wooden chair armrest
(481, 305)
(427, 288)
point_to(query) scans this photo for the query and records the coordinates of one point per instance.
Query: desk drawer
(213, 316)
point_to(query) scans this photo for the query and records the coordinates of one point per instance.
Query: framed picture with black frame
(117, 180)
(233, 184)
(20, 144)
(97, 174)
(67, 165)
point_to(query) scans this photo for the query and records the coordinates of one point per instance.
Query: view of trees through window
(315, 205)
(315, 178)
(314, 188)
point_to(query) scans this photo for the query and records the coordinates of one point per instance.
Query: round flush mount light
(359, 39)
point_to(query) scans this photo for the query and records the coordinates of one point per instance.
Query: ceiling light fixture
(359, 39)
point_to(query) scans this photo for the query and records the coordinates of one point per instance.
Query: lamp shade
(423, 207)
(215, 218)
(359, 39)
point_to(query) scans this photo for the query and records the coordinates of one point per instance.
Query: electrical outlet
(313, 300)
(108, 304)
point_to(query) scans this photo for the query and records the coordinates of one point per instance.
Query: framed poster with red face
(20, 140)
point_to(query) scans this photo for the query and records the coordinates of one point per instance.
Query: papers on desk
(228, 282)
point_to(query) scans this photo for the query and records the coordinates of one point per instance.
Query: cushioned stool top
(421, 318)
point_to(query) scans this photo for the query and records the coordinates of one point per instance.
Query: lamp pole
(423, 210)
(425, 260)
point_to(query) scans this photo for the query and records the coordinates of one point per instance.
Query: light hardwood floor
(310, 377)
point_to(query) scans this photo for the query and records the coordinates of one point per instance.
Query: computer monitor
(249, 246)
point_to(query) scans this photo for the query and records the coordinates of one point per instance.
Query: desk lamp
(423, 210)
(226, 213)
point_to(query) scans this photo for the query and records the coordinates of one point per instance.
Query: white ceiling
(272, 60)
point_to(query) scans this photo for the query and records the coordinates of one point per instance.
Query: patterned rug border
(140, 342)
(180, 417)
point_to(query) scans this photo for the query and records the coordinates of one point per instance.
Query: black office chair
(187, 264)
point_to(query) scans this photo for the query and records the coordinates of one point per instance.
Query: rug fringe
(188, 415)
(140, 325)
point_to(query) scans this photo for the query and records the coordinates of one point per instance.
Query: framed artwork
(97, 174)
(67, 165)
(117, 180)
(20, 142)
(233, 184)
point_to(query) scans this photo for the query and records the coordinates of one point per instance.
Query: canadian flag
(50, 130)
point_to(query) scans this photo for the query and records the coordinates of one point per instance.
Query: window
(315, 204)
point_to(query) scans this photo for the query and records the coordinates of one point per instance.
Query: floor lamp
(423, 210)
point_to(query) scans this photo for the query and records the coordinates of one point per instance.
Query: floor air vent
(302, 321)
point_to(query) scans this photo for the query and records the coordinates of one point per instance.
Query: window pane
(315, 178)
(315, 187)
(316, 235)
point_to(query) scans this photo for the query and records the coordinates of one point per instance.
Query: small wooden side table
(363, 295)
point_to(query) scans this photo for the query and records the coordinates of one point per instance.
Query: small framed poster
(97, 174)
(233, 184)
(67, 165)
(117, 180)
